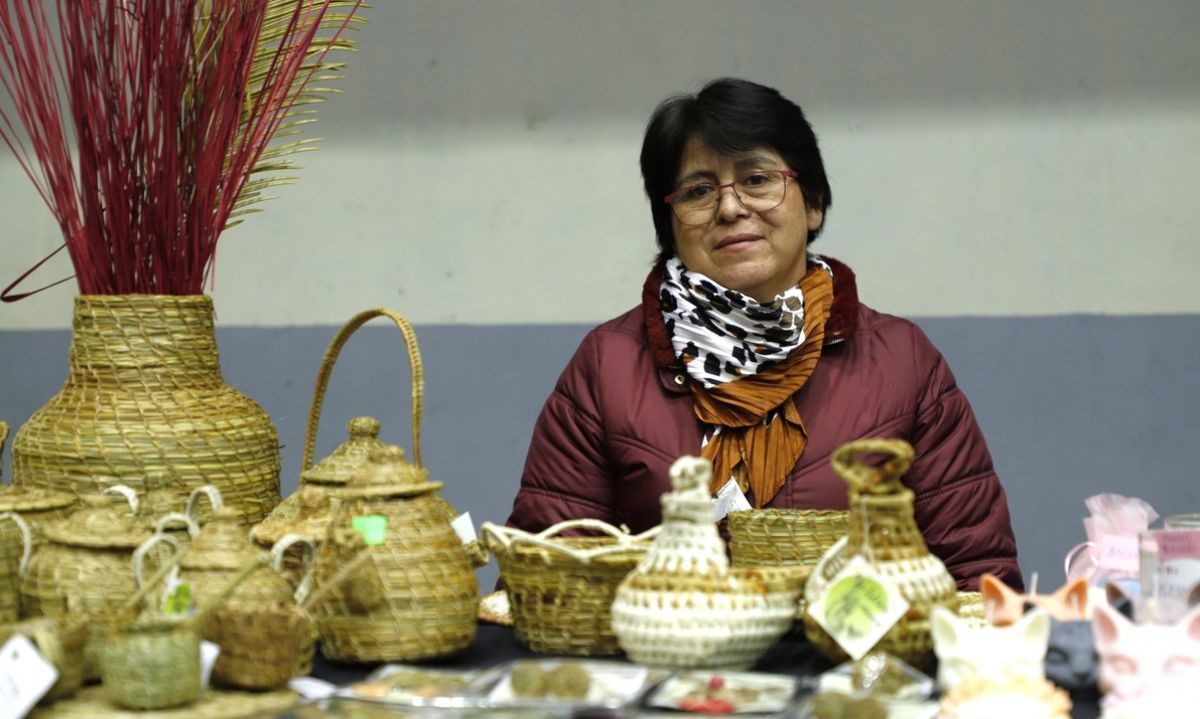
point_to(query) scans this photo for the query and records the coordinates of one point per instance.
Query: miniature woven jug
(883, 529)
(683, 605)
(414, 595)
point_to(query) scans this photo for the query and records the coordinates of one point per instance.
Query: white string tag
(25, 677)
(464, 527)
(858, 606)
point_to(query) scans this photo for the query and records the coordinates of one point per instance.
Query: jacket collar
(843, 315)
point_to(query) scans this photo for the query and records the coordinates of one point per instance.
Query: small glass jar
(1190, 520)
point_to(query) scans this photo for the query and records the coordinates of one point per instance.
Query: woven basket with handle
(561, 588)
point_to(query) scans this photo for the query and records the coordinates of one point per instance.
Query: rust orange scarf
(760, 455)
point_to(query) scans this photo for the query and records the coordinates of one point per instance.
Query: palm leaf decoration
(311, 86)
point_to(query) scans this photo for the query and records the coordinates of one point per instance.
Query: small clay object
(528, 680)
(568, 681)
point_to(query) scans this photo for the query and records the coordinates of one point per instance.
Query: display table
(495, 644)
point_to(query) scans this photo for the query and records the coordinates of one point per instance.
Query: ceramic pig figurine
(990, 652)
(1143, 662)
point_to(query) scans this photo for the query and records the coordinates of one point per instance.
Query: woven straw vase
(883, 528)
(144, 396)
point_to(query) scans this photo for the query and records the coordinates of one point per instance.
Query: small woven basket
(882, 525)
(16, 544)
(561, 589)
(151, 667)
(772, 537)
(38, 507)
(261, 647)
(683, 606)
(91, 703)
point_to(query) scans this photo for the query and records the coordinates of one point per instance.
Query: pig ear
(1035, 626)
(945, 627)
(1108, 624)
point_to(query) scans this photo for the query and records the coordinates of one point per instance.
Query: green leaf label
(372, 527)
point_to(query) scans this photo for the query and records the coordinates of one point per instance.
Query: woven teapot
(16, 546)
(38, 507)
(415, 595)
(883, 529)
(307, 511)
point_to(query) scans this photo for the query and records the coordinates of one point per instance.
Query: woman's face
(759, 254)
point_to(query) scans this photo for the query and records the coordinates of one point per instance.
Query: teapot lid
(32, 499)
(222, 544)
(349, 457)
(388, 474)
(99, 524)
(306, 512)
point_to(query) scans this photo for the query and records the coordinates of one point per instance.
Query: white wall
(987, 157)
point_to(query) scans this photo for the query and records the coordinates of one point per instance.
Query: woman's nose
(729, 205)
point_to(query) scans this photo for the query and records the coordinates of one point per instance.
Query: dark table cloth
(495, 645)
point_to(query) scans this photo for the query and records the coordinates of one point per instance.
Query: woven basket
(971, 609)
(145, 396)
(16, 544)
(261, 647)
(415, 595)
(37, 507)
(771, 537)
(561, 589)
(91, 703)
(881, 519)
(683, 606)
(61, 643)
(151, 667)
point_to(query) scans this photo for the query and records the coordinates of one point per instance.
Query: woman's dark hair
(729, 115)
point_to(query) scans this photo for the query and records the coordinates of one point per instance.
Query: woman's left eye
(758, 178)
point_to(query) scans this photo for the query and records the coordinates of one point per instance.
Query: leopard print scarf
(723, 335)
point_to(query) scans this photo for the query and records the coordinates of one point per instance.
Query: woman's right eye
(697, 192)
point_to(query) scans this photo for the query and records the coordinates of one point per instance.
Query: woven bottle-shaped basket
(16, 545)
(145, 396)
(883, 529)
(684, 606)
(416, 595)
(38, 507)
(307, 511)
(561, 588)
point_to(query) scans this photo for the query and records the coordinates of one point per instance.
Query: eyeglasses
(758, 191)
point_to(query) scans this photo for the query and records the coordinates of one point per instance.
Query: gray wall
(1071, 405)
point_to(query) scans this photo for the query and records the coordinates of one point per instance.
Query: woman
(755, 353)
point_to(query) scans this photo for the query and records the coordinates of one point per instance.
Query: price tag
(858, 606)
(464, 528)
(25, 677)
(372, 527)
(208, 659)
(729, 499)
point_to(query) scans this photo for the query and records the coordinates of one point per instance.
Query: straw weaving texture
(151, 668)
(771, 537)
(61, 643)
(12, 548)
(415, 598)
(970, 608)
(144, 397)
(90, 703)
(883, 529)
(559, 604)
(37, 507)
(261, 647)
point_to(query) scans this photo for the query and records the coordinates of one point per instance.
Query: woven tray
(770, 537)
(560, 589)
(90, 703)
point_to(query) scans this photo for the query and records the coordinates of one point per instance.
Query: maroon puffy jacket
(621, 413)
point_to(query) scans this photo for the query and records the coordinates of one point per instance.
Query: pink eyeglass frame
(668, 198)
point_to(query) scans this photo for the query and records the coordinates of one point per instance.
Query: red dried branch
(163, 140)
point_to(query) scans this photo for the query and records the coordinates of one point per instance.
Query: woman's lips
(737, 242)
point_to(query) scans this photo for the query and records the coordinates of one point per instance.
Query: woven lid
(32, 499)
(388, 474)
(101, 524)
(306, 512)
(223, 544)
(349, 457)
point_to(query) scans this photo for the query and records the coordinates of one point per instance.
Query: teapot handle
(862, 477)
(170, 518)
(3, 436)
(126, 492)
(26, 537)
(331, 355)
(279, 549)
(139, 557)
(215, 501)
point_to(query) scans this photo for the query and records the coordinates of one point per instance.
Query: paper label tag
(858, 606)
(1119, 552)
(729, 499)
(312, 688)
(372, 527)
(25, 677)
(464, 528)
(208, 659)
